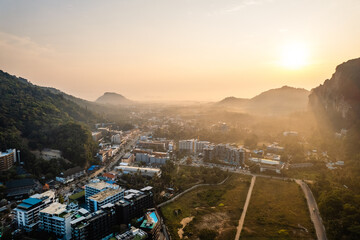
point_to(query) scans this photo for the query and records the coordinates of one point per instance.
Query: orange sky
(175, 50)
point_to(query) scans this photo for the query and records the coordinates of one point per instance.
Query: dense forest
(33, 117)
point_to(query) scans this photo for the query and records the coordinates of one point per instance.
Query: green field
(215, 210)
(277, 210)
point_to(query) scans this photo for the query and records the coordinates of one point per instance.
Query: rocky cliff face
(338, 99)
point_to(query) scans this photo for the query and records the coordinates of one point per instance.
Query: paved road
(188, 190)
(243, 214)
(314, 211)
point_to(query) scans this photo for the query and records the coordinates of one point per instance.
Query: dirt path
(184, 222)
(246, 205)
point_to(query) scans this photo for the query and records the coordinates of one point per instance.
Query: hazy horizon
(178, 50)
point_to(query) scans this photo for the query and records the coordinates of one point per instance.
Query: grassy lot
(277, 210)
(215, 210)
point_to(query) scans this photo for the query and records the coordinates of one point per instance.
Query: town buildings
(96, 187)
(70, 175)
(110, 195)
(7, 159)
(27, 212)
(142, 170)
(96, 225)
(134, 204)
(56, 219)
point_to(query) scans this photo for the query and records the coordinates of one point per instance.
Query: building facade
(7, 159)
(27, 212)
(95, 202)
(56, 219)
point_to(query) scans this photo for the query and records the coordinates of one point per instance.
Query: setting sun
(294, 56)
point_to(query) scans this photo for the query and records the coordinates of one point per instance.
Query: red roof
(109, 175)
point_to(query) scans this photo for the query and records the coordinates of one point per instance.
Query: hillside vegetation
(32, 117)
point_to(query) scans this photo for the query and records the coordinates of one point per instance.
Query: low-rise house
(70, 175)
(143, 171)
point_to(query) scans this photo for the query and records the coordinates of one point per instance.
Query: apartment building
(95, 202)
(27, 212)
(96, 187)
(7, 159)
(97, 225)
(134, 204)
(56, 219)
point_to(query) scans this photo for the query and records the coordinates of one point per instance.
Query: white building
(187, 145)
(102, 198)
(143, 171)
(116, 139)
(56, 219)
(152, 158)
(96, 187)
(27, 212)
(193, 145)
(200, 145)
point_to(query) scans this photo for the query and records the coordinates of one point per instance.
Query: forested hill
(31, 116)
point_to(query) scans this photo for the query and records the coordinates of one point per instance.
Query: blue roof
(32, 201)
(111, 182)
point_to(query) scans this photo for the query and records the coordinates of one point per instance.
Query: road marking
(242, 218)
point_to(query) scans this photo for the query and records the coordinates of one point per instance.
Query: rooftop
(101, 196)
(9, 151)
(98, 185)
(28, 203)
(55, 209)
(151, 220)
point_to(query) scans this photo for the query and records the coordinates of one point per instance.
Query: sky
(170, 50)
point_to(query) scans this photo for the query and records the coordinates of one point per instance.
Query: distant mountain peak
(282, 100)
(113, 98)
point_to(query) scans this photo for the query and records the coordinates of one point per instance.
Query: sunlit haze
(201, 50)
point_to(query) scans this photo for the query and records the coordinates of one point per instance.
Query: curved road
(314, 211)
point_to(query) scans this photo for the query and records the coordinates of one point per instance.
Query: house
(70, 175)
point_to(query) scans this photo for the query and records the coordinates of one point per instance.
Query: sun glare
(294, 56)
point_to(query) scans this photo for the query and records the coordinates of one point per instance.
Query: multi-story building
(152, 158)
(27, 212)
(187, 145)
(225, 152)
(128, 158)
(94, 226)
(151, 225)
(116, 139)
(193, 145)
(135, 204)
(95, 202)
(200, 145)
(155, 145)
(7, 159)
(96, 187)
(96, 136)
(56, 219)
